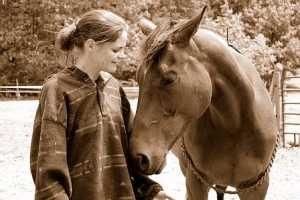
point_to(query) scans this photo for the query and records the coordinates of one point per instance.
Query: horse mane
(155, 44)
(222, 35)
(157, 41)
(151, 50)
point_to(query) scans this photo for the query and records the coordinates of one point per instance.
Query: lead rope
(245, 186)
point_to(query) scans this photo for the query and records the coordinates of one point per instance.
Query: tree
(266, 31)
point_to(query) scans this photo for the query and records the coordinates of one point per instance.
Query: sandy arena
(16, 119)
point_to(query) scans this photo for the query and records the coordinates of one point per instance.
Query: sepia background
(268, 32)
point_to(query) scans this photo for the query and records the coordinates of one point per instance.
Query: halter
(246, 186)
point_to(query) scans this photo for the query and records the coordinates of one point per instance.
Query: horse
(204, 101)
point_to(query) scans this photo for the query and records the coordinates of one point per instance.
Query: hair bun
(64, 39)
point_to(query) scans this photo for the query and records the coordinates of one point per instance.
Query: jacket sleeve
(48, 153)
(144, 187)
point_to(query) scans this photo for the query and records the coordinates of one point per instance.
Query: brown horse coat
(195, 87)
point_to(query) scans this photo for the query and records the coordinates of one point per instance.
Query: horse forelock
(156, 43)
(153, 47)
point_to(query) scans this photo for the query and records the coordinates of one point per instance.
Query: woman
(83, 121)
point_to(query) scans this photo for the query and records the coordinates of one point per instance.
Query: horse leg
(176, 150)
(220, 195)
(259, 193)
(195, 189)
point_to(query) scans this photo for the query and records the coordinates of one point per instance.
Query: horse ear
(185, 31)
(146, 26)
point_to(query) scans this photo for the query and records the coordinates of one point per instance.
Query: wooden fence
(278, 92)
(286, 99)
(290, 108)
(275, 92)
(131, 92)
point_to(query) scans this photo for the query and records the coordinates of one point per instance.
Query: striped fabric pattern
(80, 140)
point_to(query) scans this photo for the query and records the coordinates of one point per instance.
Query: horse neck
(225, 110)
(232, 88)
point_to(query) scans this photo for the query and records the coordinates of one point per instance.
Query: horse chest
(225, 157)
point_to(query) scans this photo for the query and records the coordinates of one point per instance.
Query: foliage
(279, 22)
(232, 28)
(266, 31)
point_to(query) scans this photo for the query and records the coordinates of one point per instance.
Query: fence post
(276, 92)
(18, 95)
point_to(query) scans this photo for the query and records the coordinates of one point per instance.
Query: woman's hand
(161, 195)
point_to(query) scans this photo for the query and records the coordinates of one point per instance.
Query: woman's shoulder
(61, 75)
(54, 81)
(51, 81)
(51, 87)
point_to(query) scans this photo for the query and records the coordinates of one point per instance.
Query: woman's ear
(89, 45)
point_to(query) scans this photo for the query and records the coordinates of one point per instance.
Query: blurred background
(266, 31)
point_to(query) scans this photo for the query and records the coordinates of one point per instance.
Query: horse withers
(205, 101)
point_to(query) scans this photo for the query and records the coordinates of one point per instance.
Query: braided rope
(244, 187)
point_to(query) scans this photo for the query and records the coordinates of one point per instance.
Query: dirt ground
(16, 118)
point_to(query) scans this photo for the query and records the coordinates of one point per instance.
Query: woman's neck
(91, 70)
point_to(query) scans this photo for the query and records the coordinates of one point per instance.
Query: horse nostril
(143, 162)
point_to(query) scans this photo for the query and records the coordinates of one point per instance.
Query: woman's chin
(111, 69)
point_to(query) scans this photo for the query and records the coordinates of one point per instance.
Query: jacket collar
(103, 78)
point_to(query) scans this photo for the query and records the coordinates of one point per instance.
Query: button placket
(101, 97)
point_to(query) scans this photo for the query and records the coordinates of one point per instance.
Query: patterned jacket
(80, 141)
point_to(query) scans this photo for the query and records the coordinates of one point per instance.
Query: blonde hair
(99, 25)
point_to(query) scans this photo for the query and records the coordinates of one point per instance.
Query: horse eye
(169, 78)
(169, 112)
(166, 82)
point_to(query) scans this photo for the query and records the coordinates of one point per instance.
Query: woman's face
(107, 55)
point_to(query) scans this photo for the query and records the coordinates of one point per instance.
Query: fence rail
(278, 92)
(131, 92)
(286, 113)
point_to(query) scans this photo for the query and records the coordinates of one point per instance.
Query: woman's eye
(118, 49)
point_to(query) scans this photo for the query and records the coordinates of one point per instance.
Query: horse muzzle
(147, 164)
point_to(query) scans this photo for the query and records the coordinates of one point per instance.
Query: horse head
(175, 89)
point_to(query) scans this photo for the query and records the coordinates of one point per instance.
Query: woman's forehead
(121, 41)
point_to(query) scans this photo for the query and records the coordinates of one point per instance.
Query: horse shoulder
(243, 74)
(225, 62)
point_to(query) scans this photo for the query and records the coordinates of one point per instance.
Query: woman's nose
(121, 55)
